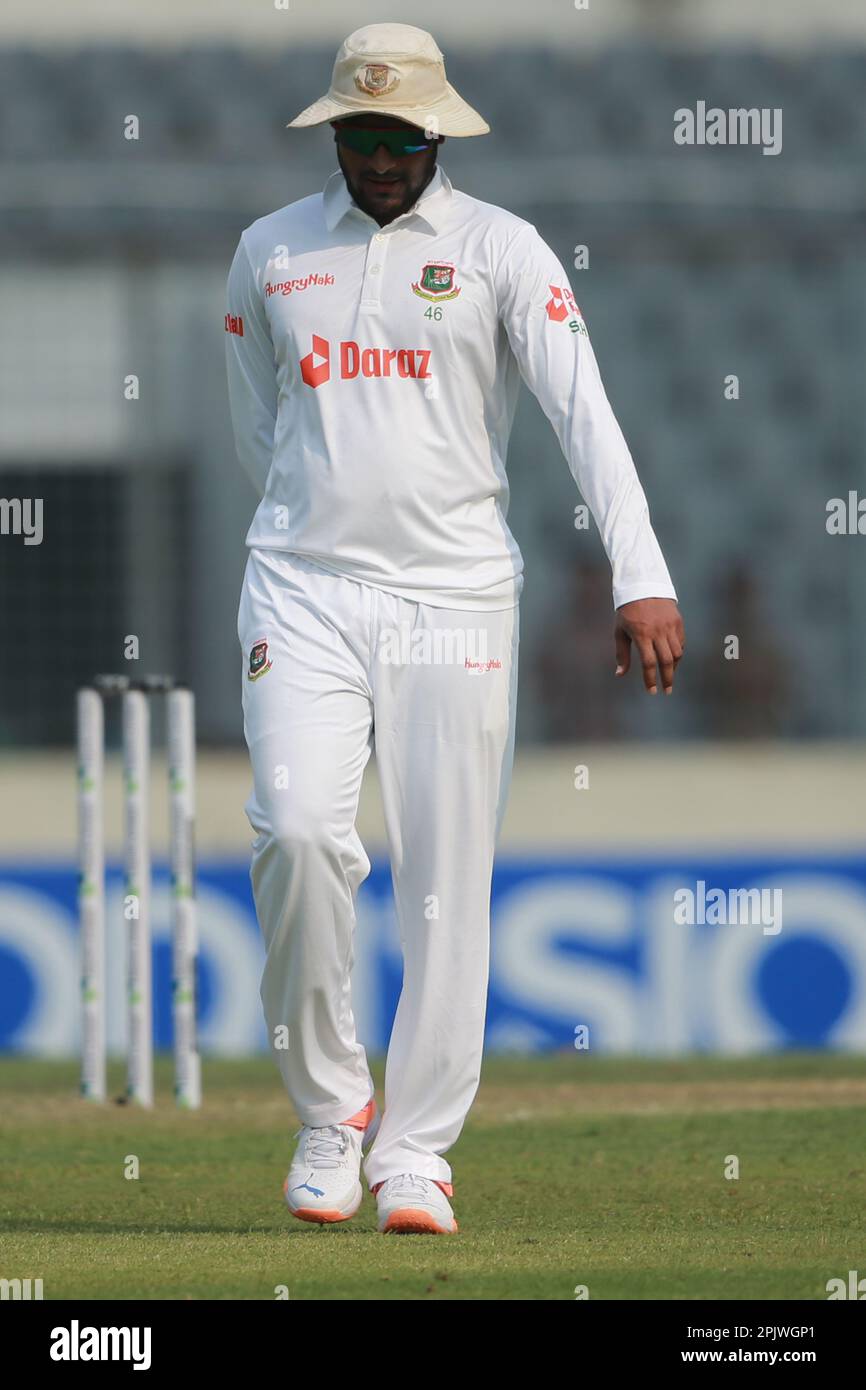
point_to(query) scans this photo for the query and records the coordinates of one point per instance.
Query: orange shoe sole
(410, 1221)
(321, 1218)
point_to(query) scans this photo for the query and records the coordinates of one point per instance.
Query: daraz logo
(561, 303)
(368, 362)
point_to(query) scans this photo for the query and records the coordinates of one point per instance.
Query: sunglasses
(367, 139)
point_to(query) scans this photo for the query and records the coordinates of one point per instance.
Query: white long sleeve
(550, 341)
(252, 373)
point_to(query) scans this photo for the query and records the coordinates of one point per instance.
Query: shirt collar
(430, 207)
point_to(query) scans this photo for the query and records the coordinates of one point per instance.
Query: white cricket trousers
(348, 667)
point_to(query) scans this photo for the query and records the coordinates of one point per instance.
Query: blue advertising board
(585, 953)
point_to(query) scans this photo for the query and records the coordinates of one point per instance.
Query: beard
(407, 186)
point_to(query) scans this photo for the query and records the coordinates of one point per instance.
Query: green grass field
(571, 1171)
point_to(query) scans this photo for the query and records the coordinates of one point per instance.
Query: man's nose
(383, 161)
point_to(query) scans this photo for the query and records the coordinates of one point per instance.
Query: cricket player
(376, 335)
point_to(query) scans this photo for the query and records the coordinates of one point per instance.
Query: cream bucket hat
(396, 70)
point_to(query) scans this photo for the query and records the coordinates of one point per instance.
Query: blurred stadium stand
(113, 256)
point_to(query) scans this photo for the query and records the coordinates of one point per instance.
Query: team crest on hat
(376, 80)
(260, 663)
(437, 281)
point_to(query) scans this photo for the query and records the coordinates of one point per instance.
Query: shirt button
(380, 236)
(374, 270)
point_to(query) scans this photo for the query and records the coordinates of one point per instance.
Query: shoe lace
(325, 1146)
(409, 1183)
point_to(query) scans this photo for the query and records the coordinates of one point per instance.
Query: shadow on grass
(308, 1230)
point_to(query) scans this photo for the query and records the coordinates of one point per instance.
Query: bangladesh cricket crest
(377, 79)
(437, 282)
(260, 663)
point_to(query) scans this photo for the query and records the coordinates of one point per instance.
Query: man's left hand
(655, 626)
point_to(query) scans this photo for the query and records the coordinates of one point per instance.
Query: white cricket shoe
(323, 1182)
(412, 1205)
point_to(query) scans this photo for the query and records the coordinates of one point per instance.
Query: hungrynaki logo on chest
(437, 282)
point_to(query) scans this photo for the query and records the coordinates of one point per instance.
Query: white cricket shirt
(373, 377)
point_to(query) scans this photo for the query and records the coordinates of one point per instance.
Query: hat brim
(453, 115)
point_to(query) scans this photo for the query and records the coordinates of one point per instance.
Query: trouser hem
(334, 1114)
(436, 1169)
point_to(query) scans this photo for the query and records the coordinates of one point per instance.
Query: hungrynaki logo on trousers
(260, 663)
(356, 361)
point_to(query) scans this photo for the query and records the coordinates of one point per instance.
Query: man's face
(385, 185)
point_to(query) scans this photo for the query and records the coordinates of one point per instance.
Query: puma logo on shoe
(316, 1191)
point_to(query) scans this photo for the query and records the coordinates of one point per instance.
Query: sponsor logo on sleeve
(235, 324)
(561, 304)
